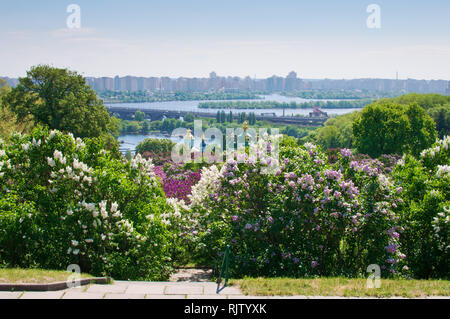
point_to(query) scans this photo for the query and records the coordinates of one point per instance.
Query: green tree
(8, 120)
(388, 128)
(222, 117)
(139, 116)
(230, 117)
(60, 99)
(155, 145)
(218, 117)
(132, 127)
(441, 115)
(145, 127)
(189, 117)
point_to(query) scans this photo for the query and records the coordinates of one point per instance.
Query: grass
(34, 276)
(345, 287)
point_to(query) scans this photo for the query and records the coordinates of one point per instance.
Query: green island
(144, 96)
(284, 105)
(341, 94)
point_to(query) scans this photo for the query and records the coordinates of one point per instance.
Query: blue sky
(317, 39)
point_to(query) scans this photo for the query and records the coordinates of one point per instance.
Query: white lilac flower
(87, 179)
(310, 146)
(36, 143)
(114, 207)
(2, 153)
(443, 170)
(206, 185)
(103, 211)
(76, 251)
(89, 241)
(51, 162)
(74, 243)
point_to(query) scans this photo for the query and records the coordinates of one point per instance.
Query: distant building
(317, 112)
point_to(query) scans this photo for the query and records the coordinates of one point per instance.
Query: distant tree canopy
(189, 117)
(8, 120)
(441, 115)
(337, 132)
(60, 99)
(426, 101)
(155, 145)
(436, 105)
(139, 116)
(389, 128)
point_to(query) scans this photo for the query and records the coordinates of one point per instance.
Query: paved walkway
(134, 290)
(152, 290)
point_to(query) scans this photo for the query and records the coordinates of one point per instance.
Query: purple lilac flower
(346, 152)
(314, 264)
(391, 248)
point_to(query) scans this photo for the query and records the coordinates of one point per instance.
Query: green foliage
(436, 105)
(336, 133)
(69, 201)
(189, 117)
(441, 115)
(294, 131)
(139, 116)
(155, 145)
(386, 128)
(284, 105)
(426, 101)
(426, 210)
(308, 218)
(60, 99)
(251, 118)
(8, 120)
(340, 94)
(144, 96)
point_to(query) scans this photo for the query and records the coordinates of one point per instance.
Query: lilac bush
(425, 213)
(309, 218)
(69, 201)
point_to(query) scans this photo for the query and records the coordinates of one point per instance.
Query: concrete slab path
(133, 290)
(151, 290)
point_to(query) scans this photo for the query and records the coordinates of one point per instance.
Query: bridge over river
(127, 113)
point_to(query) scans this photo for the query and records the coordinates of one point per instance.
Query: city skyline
(323, 39)
(289, 83)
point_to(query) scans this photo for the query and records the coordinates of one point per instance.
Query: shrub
(155, 145)
(309, 218)
(425, 215)
(68, 201)
(387, 128)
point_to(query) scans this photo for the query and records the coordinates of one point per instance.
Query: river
(130, 141)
